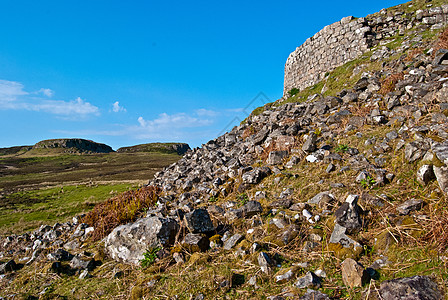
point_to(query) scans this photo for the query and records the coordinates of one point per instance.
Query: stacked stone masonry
(348, 39)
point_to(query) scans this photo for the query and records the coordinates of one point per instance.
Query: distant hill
(179, 148)
(77, 145)
(81, 146)
(14, 150)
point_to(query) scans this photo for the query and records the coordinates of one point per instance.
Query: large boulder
(195, 242)
(441, 151)
(309, 280)
(198, 221)
(412, 288)
(252, 208)
(256, 175)
(353, 273)
(348, 214)
(8, 266)
(129, 242)
(441, 174)
(276, 157)
(425, 174)
(310, 143)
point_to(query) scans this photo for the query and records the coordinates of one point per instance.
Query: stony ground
(337, 192)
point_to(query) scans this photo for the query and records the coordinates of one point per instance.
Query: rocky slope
(336, 192)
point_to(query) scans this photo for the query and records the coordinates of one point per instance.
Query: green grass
(408, 261)
(341, 148)
(412, 6)
(149, 257)
(23, 172)
(31, 183)
(25, 211)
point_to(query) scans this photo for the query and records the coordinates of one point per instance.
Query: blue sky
(131, 72)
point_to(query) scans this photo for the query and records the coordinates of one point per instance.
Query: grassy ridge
(47, 186)
(23, 211)
(23, 172)
(172, 148)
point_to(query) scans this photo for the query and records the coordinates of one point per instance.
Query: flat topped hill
(179, 148)
(67, 161)
(78, 145)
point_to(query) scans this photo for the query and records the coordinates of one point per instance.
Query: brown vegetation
(412, 54)
(250, 130)
(442, 41)
(437, 229)
(121, 209)
(388, 84)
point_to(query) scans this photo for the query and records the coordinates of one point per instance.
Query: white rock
(311, 158)
(321, 273)
(307, 214)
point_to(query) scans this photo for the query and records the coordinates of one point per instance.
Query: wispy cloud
(117, 108)
(14, 97)
(175, 121)
(64, 108)
(206, 112)
(10, 91)
(235, 110)
(179, 126)
(47, 92)
(193, 127)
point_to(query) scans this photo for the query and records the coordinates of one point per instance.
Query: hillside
(77, 145)
(14, 150)
(58, 179)
(173, 148)
(338, 190)
(56, 147)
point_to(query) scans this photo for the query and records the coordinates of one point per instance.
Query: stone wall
(331, 47)
(348, 39)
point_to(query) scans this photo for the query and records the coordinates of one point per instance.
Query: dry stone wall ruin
(348, 39)
(331, 47)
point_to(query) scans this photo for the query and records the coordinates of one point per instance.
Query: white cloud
(64, 108)
(47, 92)
(10, 91)
(179, 120)
(235, 110)
(206, 112)
(141, 121)
(117, 108)
(195, 127)
(14, 96)
(166, 126)
(175, 127)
